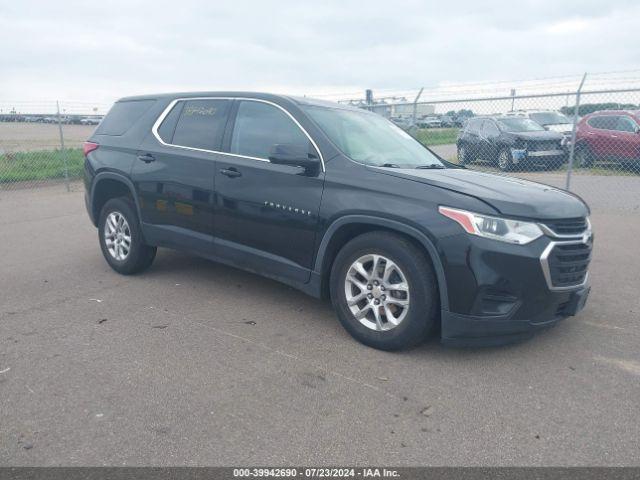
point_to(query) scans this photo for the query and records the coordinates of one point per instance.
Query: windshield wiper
(390, 165)
(431, 166)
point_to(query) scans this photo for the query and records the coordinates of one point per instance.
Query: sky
(96, 52)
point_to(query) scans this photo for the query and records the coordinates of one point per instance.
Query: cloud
(99, 51)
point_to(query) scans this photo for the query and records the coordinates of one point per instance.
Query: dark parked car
(337, 202)
(510, 142)
(608, 135)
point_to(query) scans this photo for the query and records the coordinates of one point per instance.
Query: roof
(616, 112)
(276, 98)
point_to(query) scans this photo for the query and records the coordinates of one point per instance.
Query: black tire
(505, 160)
(140, 256)
(583, 157)
(464, 156)
(422, 312)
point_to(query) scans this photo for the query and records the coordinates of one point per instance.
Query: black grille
(543, 145)
(568, 264)
(569, 226)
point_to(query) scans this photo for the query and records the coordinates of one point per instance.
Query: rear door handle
(230, 172)
(147, 158)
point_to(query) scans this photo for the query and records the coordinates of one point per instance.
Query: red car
(608, 135)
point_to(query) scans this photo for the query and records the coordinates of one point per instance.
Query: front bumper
(499, 293)
(482, 331)
(541, 156)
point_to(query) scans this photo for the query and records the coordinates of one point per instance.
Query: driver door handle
(146, 158)
(230, 172)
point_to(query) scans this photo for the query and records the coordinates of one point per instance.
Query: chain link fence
(579, 134)
(41, 142)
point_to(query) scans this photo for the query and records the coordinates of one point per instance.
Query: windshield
(518, 124)
(371, 139)
(549, 118)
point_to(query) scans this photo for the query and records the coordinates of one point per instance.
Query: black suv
(337, 202)
(510, 142)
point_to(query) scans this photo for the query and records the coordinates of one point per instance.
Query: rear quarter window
(122, 116)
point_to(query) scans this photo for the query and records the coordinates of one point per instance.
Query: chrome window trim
(546, 271)
(172, 104)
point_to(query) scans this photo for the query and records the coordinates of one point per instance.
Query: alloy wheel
(377, 292)
(503, 160)
(117, 236)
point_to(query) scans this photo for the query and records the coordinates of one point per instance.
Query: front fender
(391, 225)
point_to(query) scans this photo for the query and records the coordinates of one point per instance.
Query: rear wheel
(121, 238)
(384, 291)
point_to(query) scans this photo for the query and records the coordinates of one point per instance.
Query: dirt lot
(25, 137)
(194, 363)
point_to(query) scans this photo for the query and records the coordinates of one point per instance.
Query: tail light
(88, 147)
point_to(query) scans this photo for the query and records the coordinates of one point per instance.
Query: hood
(560, 127)
(541, 135)
(508, 195)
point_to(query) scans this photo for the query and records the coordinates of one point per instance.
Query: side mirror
(294, 155)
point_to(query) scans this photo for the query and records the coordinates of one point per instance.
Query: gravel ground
(194, 363)
(26, 137)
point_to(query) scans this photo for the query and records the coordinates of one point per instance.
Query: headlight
(496, 228)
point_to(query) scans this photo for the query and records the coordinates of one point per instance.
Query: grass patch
(40, 165)
(437, 136)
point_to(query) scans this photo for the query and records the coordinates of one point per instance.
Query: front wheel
(384, 291)
(464, 156)
(505, 160)
(121, 238)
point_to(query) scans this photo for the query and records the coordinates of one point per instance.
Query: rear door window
(201, 124)
(259, 126)
(122, 116)
(604, 122)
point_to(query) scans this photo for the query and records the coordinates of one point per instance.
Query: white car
(549, 120)
(430, 122)
(90, 121)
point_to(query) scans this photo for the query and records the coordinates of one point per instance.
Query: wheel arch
(107, 185)
(345, 228)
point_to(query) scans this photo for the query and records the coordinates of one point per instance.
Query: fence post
(415, 106)
(63, 151)
(572, 148)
